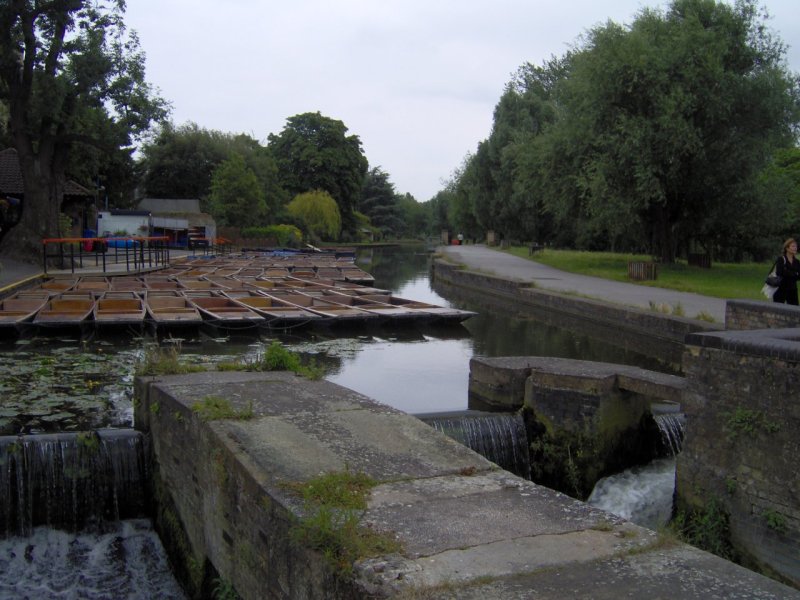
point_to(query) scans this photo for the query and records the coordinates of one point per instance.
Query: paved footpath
(481, 258)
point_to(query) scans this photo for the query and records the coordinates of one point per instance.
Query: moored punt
(20, 308)
(337, 312)
(66, 311)
(200, 284)
(172, 311)
(92, 284)
(115, 311)
(58, 285)
(375, 303)
(356, 275)
(224, 312)
(276, 311)
(434, 312)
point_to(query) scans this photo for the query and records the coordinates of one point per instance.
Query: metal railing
(135, 252)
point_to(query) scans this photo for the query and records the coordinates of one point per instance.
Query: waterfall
(671, 426)
(499, 437)
(644, 494)
(71, 480)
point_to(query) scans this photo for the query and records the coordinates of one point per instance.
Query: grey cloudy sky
(416, 80)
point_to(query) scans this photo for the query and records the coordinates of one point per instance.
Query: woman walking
(787, 267)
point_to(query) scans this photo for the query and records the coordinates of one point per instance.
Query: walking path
(481, 258)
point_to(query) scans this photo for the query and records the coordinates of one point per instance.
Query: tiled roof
(11, 177)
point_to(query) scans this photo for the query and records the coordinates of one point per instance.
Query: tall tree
(69, 73)
(670, 121)
(380, 203)
(237, 198)
(315, 152)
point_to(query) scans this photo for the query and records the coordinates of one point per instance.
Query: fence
(135, 252)
(642, 271)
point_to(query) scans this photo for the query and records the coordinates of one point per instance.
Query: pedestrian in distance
(787, 267)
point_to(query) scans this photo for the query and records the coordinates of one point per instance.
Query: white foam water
(128, 562)
(643, 495)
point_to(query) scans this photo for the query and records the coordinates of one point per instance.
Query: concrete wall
(752, 314)
(743, 440)
(647, 332)
(218, 501)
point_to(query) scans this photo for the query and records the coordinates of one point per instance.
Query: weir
(499, 437)
(72, 480)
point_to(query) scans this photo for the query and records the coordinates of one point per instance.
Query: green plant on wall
(708, 528)
(743, 422)
(333, 504)
(775, 520)
(212, 408)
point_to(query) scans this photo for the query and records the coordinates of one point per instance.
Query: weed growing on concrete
(333, 505)
(707, 528)
(705, 316)
(164, 361)
(213, 408)
(224, 590)
(743, 421)
(775, 520)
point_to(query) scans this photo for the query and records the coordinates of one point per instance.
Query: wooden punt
(21, 308)
(92, 284)
(224, 312)
(356, 275)
(56, 286)
(200, 284)
(337, 312)
(119, 311)
(431, 311)
(65, 311)
(375, 303)
(172, 311)
(276, 311)
(127, 284)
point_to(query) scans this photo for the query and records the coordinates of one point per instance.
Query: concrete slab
(467, 528)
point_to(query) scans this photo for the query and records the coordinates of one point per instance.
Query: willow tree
(70, 73)
(670, 121)
(317, 213)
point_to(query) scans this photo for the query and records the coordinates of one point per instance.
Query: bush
(285, 235)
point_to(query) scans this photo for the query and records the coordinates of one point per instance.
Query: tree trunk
(40, 209)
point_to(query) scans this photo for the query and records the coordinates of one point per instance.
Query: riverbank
(486, 260)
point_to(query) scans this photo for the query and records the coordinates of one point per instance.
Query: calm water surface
(59, 383)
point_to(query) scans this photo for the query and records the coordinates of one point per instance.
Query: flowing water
(56, 384)
(499, 437)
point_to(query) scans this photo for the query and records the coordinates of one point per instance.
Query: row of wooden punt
(256, 268)
(273, 304)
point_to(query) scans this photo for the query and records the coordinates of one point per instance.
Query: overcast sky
(416, 80)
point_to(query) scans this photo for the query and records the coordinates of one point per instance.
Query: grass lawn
(722, 280)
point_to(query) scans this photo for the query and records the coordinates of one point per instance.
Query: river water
(59, 384)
